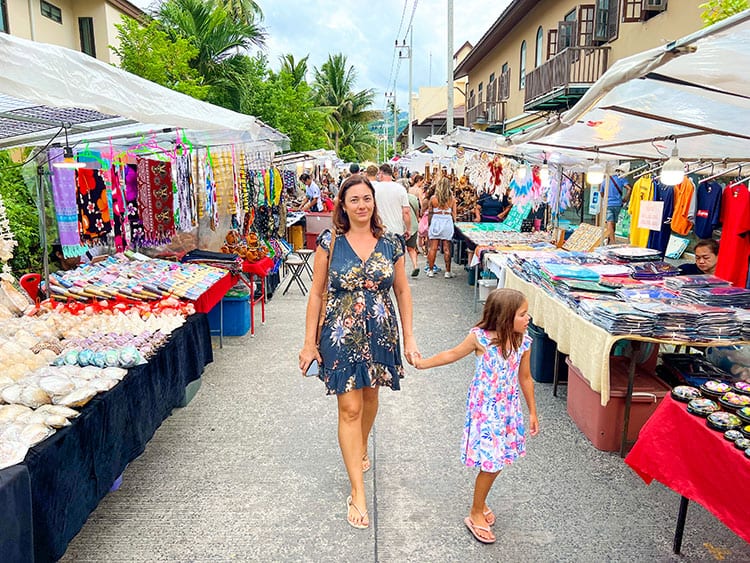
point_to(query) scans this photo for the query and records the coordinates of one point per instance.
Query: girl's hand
(533, 425)
(306, 357)
(411, 352)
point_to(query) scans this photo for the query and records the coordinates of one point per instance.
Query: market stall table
(16, 524)
(71, 471)
(588, 345)
(680, 451)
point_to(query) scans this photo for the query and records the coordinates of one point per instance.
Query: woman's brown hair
(443, 191)
(341, 219)
(499, 315)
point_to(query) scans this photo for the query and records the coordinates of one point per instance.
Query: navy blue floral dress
(359, 342)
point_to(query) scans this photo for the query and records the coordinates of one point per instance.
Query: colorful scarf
(66, 208)
(119, 211)
(131, 202)
(185, 215)
(93, 207)
(289, 180)
(156, 201)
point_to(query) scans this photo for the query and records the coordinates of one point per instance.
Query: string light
(673, 171)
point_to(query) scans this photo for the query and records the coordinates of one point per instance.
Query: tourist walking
(442, 216)
(393, 203)
(359, 349)
(494, 431)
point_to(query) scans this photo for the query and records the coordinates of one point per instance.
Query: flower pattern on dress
(360, 342)
(494, 432)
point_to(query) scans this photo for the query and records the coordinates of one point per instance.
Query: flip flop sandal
(473, 529)
(350, 504)
(366, 464)
(489, 516)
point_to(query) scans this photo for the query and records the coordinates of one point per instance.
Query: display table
(215, 293)
(74, 469)
(680, 451)
(16, 526)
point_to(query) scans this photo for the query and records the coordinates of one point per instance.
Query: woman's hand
(306, 357)
(410, 350)
(533, 425)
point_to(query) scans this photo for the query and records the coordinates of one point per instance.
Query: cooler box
(297, 236)
(543, 350)
(316, 223)
(236, 316)
(485, 288)
(603, 425)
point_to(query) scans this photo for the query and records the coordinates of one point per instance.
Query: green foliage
(717, 10)
(23, 217)
(348, 154)
(148, 52)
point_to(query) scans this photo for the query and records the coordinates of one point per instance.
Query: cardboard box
(603, 425)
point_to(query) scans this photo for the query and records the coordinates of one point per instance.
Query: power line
(398, 33)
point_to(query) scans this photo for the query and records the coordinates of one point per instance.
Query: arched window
(522, 71)
(539, 47)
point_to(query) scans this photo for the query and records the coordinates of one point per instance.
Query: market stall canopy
(320, 156)
(695, 90)
(45, 86)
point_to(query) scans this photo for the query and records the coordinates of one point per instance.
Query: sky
(321, 27)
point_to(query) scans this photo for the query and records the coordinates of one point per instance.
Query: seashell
(56, 385)
(77, 398)
(114, 373)
(56, 421)
(12, 394)
(33, 396)
(9, 413)
(12, 453)
(103, 384)
(58, 410)
(32, 434)
(112, 358)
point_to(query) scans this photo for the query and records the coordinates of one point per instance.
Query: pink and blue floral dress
(359, 341)
(494, 432)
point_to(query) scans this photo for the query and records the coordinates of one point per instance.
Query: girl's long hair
(341, 219)
(499, 314)
(443, 192)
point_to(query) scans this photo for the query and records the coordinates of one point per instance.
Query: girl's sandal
(363, 515)
(366, 463)
(474, 529)
(489, 516)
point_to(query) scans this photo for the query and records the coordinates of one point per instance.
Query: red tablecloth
(680, 451)
(214, 294)
(259, 268)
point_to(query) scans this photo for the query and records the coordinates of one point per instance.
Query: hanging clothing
(734, 248)
(93, 207)
(66, 207)
(707, 210)
(643, 190)
(658, 240)
(131, 202)
(683, 195)
(156, 201)
(187, 218)
(119, 210)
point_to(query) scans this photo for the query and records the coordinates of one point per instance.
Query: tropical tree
(220, 40)
(298, 69)
(334, 88)
(244, 10)
(717, 10)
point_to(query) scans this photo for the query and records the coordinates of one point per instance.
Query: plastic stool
(296, 266)
(30, 284)
(305, 254)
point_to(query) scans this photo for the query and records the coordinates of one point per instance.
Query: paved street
(250, 470)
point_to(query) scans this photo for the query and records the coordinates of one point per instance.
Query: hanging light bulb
(521, 172)
(544, 173)
(68, 160)
(673, 170)
(595, 173)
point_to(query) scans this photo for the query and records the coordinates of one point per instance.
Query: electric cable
(33, 156)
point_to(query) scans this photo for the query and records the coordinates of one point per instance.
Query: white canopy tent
(694, 91)
(45, 87)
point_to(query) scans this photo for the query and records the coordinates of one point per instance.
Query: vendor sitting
(58, 262)
(706, 255)
(491, 209)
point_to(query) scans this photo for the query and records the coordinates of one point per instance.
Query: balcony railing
(569, 72)
(492, 110)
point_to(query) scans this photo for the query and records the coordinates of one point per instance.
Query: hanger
(723, 173)
(652, 167)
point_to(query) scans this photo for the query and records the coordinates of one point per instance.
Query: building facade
(83, 25)
(540, 56)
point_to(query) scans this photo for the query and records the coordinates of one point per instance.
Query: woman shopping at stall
(442, 215)
(359, 349)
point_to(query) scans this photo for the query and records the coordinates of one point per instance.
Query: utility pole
(389, 97)
(405, 52)
(449, 84)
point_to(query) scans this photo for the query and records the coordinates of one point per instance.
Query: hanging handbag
(424, 225)
(324, 304)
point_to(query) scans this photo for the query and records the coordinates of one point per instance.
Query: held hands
(411, 352)
(533, 425)
(306, 357)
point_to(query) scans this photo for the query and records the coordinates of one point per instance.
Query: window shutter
(605, 20)
(654, 5)
(551, 43)
(566, 34)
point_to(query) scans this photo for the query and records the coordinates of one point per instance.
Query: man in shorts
(617, 196)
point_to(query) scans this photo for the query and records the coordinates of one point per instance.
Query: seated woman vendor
(491, 209)
(706, 255)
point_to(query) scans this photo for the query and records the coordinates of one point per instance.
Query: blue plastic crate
(236, 316)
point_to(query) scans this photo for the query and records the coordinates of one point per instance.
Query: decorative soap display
(744, 414)
(702, 407)
(685, 393)
(745, 431)
(742, 387)
(723, 421)
(732, 435)
(742, 443)
(747, 453)
(715, 389)
(734, 401)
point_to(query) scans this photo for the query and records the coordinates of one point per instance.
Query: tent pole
(42, 209)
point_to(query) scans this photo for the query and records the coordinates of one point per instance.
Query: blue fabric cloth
(359, 341)
(16, 527)
(658, 240)
(616, 191)
(74, 469)
(708, 205)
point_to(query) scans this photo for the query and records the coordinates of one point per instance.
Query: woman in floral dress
(359, 349)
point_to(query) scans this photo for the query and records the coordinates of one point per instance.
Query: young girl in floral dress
(494, 433)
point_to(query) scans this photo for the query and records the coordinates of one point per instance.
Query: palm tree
(334, 90)
(297, 70)
(219, 38)
(246, 11)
